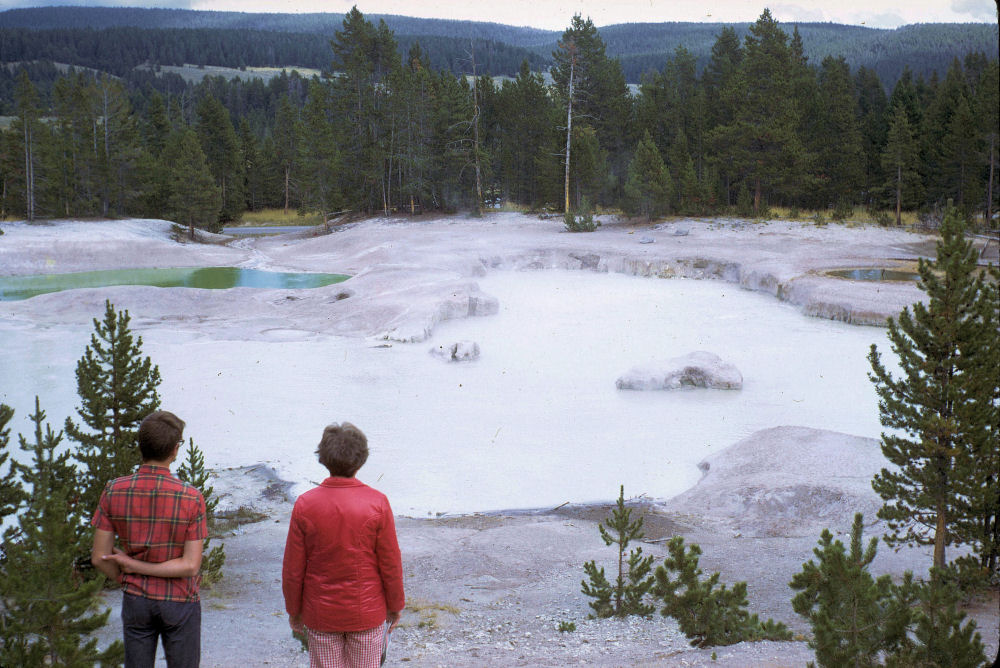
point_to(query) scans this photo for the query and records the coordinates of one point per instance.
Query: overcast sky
(555, 14)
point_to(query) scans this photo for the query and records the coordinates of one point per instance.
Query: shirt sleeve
(293, 567)
(197, 528)
(390, 562)
(102, 519)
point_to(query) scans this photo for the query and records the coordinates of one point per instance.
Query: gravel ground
(492, 589)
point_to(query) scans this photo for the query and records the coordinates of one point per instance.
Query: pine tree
(590, 86)
(761, 140)
(859, 620)
(960, 158)
(873, 119)
(46, 612)
(364, 58)
(286, 142)
(708, 615)
(117, 387)
(193, 472)
(11, 493)
(318, 160)
(939, 638)
(854, 617)
(193, 199)
(718, 80)
(978, 518)
(840, 157)
(647, 190)
(900, 160)
(28, 120)
(527, 127)
(157, 128)
(222, 154)
(625, 596)
(927, 445)
(988, 115)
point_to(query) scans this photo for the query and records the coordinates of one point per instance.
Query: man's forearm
(104, 542)
(108, 568)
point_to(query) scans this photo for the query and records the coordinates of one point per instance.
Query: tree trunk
(989, 187)
(475, 136)
(569, 123)
(940, 534)
(899, 195)
(29, 172)
(287, 170)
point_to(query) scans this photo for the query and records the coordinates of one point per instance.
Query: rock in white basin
(697, 369)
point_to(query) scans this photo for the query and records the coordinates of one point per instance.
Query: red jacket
(342, 570)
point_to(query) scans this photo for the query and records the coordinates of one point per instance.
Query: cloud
(884, 20)
(979, 10)
(798, 14)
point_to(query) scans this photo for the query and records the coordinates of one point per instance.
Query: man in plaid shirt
(160, 524)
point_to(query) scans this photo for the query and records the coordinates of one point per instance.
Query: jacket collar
(334, 481)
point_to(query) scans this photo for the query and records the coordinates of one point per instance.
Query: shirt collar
(154, 469)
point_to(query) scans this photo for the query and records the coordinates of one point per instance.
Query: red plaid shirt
(153, 514)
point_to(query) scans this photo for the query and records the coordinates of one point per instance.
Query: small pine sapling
(193, 472)
(625, 596)
(854, 616)
(859, 620)
(939, 637)
(46, 613)
(117, 387)
(708, 614)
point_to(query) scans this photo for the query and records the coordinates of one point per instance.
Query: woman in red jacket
(342, 576)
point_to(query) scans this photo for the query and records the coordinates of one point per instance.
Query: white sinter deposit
(697, 369)
(536, 421)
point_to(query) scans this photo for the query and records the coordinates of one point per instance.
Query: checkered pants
(360, 649)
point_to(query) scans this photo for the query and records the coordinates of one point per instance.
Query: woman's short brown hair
(343, 449)
(159, 433)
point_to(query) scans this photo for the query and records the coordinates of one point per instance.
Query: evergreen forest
(450, 117)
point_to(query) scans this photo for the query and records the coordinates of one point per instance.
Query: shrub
(707, 613)
(842, 210)
(582, 220)
(193, 472)
(744, 203)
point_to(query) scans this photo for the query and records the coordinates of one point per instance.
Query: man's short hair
(343, 449)
(159, 434)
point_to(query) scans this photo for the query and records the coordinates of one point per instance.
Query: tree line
(760, 126)
(119, 50)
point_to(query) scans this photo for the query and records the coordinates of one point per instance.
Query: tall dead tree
(571, 50)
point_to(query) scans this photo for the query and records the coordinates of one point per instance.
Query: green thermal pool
(875, 274)
(13, 288)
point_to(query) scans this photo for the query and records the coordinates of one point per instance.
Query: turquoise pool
(13, 288)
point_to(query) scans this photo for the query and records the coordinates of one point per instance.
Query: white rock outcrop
(697, 369)
(460, 351)
(787, 481)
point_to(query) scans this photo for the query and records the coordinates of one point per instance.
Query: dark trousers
(145, 621)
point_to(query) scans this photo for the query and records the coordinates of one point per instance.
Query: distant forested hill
(120, 49)
(925, 48)
(90, 35)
